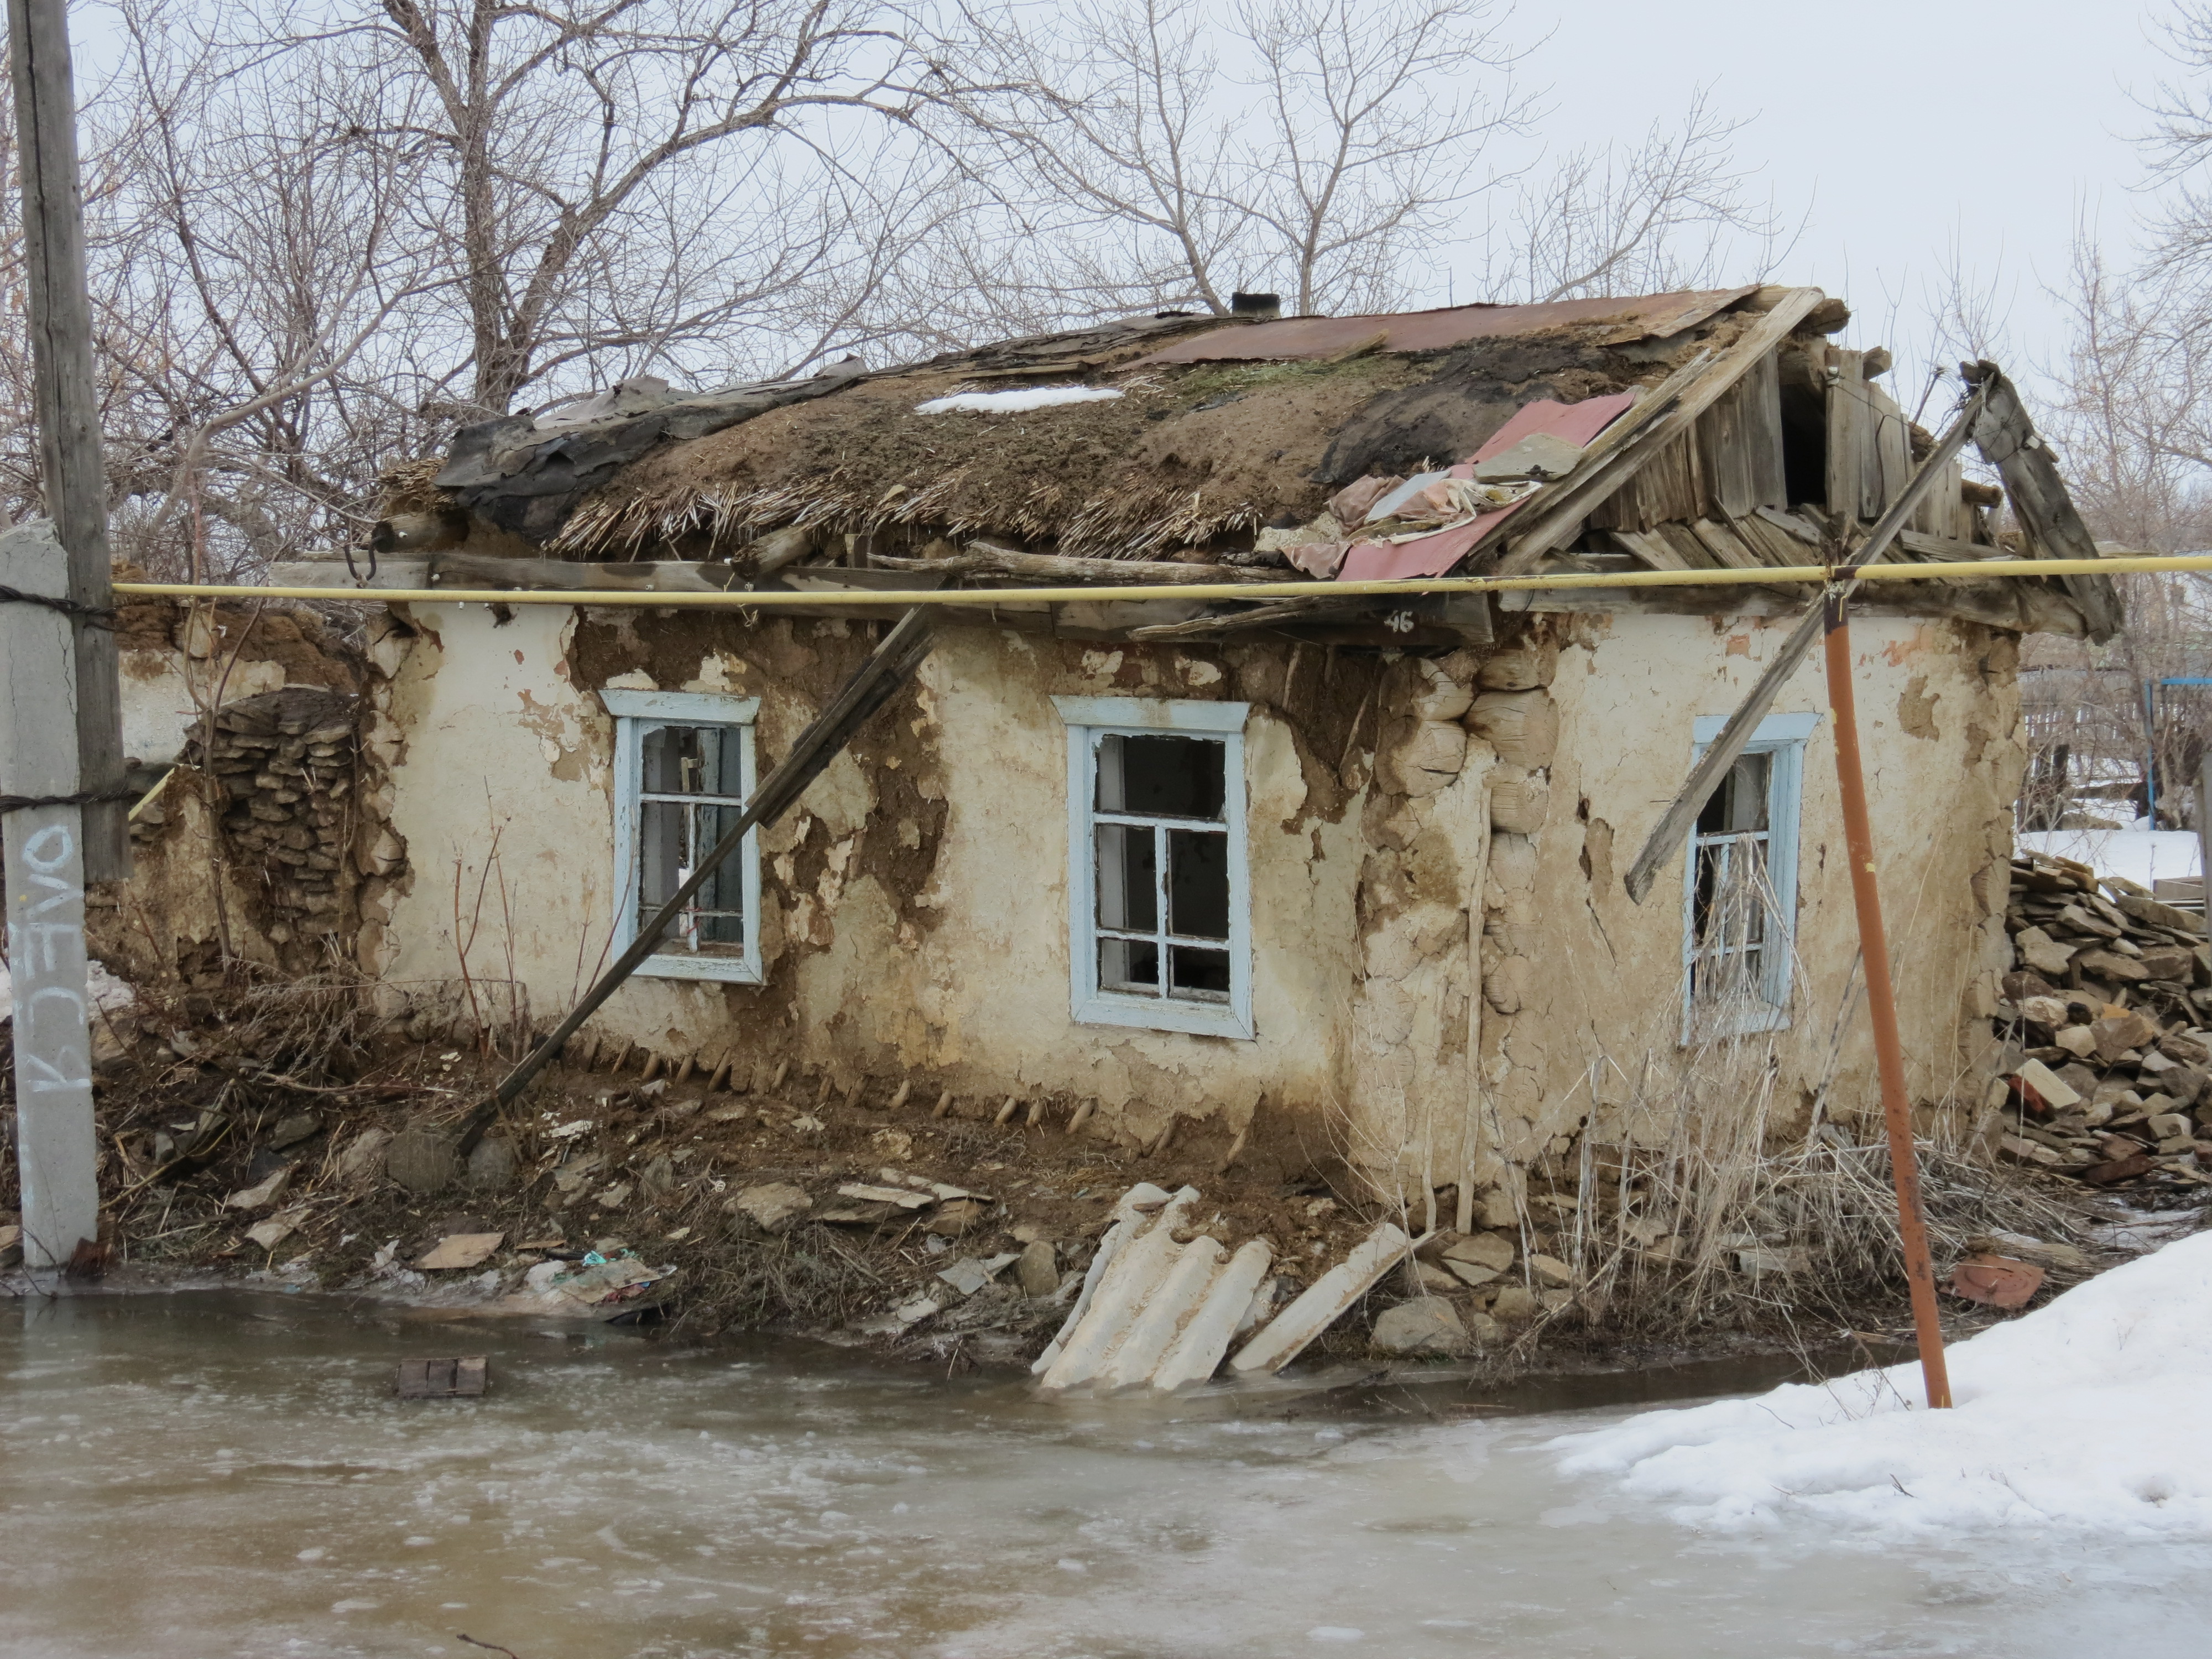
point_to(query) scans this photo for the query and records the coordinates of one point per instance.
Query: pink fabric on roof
(1432, 556)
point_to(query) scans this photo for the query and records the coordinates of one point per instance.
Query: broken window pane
(1161, 777)
(692, 760)
(1129, 965)
(1200, 974)
(1198, 884)
(1740, 804)
(1128, 878)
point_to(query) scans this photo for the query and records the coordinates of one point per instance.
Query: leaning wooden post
(56, 1148)
(65, 405)
(2204, 832)
(1881, 1001)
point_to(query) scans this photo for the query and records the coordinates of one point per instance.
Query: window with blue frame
(684, 769)
(1159, 904)
(1740, 886)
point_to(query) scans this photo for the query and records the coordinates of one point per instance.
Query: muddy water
(225, 1474)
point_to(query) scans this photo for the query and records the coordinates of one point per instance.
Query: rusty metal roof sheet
(1652, 316)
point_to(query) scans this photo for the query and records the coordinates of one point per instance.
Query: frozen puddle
(220, 1473)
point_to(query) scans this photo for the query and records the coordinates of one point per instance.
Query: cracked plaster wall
(1575, 973)
(914, 918)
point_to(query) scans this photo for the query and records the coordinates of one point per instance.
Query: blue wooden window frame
(637, 714)
(1090, 720)
(1783, 738)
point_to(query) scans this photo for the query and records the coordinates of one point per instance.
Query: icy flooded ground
(227, 1474)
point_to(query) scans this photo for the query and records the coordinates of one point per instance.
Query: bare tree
(1676, 211)
(1157, 175)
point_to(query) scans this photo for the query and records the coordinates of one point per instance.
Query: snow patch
(2092, 1412)
(1015, 402)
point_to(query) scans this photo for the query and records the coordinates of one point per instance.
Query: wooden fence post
(55, 1149)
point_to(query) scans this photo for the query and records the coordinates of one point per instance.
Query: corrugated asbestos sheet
(1651, 317)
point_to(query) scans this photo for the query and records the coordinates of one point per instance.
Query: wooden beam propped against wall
(889, 666)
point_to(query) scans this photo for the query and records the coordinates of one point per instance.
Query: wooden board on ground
(462, 1378)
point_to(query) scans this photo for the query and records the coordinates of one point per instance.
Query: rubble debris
(457, 1250)
(1427, 1325)
(461, 1378)
(771, 1207)
(424, 1160)
(300, 1126)
(1039, 1270)
(1999, 1281)
(585, 1288)
(261, 1194)
(274, 1232)
(1285, 1336)
(971, 1273)
(2106, 1058)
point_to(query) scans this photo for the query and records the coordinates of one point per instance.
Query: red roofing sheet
(1432, 556)
(1653, 316)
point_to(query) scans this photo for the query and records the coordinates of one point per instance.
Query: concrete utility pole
(56, 1148)
(65, 403)
(61, 739)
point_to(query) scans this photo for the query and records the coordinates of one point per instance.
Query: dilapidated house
(1330, 866)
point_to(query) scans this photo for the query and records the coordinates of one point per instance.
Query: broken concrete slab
(1232, 1298)
(1152, 1333)
(1285, 1336)
(457, 1250)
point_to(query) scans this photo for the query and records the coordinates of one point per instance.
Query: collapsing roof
(1704, 429)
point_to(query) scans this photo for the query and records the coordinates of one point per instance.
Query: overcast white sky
(1905, 128)
(1909, 127)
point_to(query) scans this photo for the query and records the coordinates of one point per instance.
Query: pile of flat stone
(2106, 1062)
(284, 761)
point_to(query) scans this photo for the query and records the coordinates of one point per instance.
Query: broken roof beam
(981, 558)
(2009, 441)
(1554, 514)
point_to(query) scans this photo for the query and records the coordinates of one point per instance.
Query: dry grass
(1697, 1201)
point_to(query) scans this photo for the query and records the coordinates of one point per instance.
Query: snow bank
(1014, 403)
(2094, 1412)
(2142, 855)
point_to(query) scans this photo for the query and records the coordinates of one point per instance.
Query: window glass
(1743, 857)
(1156, 786)
(1161, 777)
(1160, 934)
(683, 768)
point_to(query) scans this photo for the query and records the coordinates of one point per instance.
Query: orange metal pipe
(1881, 1006)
